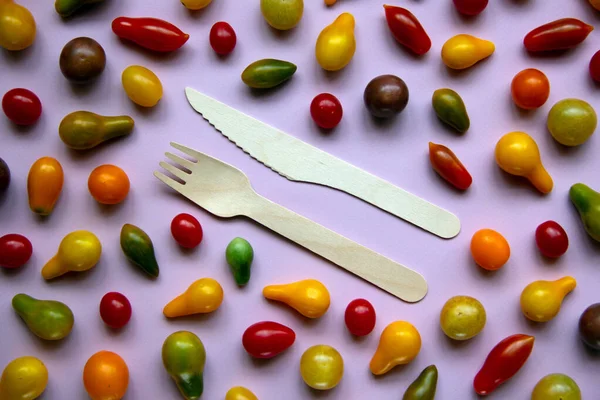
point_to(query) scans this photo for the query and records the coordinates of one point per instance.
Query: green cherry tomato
(267, 73)
(142, 86)
(571, 122)
(239, 254)
(556, 387)
(322, 367)
(462, 317)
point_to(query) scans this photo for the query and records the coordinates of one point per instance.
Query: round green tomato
(239, 255)
(571, 122)
(556, 387)
(282, 14)
(462, 317)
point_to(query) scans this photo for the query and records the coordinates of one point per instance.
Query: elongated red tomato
(503, 362)
(561, 34)
(151, 33)
(448, 166)
(407, 29)
(266, 339)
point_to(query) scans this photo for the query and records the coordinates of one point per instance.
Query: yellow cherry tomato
(541, 300)
(78, 251)
(195, 4)
(142, 86)
(400, 343)
(336, 43)
(17, 26)
(489, 249)
(462, 317)
(240, 393)
(321, 367)
(106, 376)
(24, 378)
(464, 51)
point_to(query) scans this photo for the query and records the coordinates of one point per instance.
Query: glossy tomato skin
(561, 34)
(360, 317)
(448, 166)
(267, 339)
(186, 230)
(22, 106)
(150, 33)
(407, 29)
(595, 66)
(551, 239)
(503, 362)
(326, 110)
(530, 89)
(222, 38)
(470, 7)
(115, 310)
(15, 250)
(106, 376)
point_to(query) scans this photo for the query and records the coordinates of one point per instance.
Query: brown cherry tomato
(530, 89)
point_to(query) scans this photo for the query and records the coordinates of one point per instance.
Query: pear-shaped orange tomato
(44, 184)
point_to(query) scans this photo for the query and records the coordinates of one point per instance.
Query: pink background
(395, 150)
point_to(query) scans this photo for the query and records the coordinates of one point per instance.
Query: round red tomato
(360, 317)
(326, 110)
(595, 66)
(530, 89)
(551, 239)
(470, 7)
(222, 38)
(115, 309)
(186, 231)
(22, 106)
(15, 250)
(266, 339)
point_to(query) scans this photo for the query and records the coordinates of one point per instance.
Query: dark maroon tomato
(470, 7)
(326, 110)
(595, 66)
(551, 239)
(360, 317)
(266, 339)
(222, 38)
(22, 106)
(15, 250)
(115, 309)
(186, 230)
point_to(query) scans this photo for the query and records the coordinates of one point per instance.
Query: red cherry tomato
(186, 231)
(22, 106)
(222, 38)
(551, 239)
(470, 7)
(595, 66)
(15, 250)
(115, 309)
(360, 317)
(266, 339)
(326, 110)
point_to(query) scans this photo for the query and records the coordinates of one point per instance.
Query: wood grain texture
(226, 192)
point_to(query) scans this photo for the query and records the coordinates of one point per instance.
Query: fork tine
(173, 184)
(180, 160)
(186, 150)
(174, 170)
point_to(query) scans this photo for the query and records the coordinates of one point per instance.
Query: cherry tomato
(222, 38)
(15, 250)
(115, 309)
(186, 230)
(530, 89)
(470, 7)
(150, 33)
(407, 29)
(595, 66)
(489, 249)
(22, 106)
(108, 184)
(326, 110)
(266, 339)
(360, 317)
(106, 376)
(551, 239)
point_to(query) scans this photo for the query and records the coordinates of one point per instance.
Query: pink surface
(395, 150)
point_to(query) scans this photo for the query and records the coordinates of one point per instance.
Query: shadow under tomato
(563, 150)
(267, 92)
(517, 182)
(392, 374)
(304, 320)
(536, 326)
(14, 57)
(158, 56)
(457, 345)
(320, 394)
(195, 318)
(83, 155)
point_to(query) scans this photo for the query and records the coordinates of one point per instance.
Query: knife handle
(382, 272)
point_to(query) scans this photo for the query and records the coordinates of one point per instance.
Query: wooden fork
(225, 191)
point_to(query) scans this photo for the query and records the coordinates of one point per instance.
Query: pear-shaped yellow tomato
(78, 251)
(541, 300)
(24, 378)
(142, 86)
(309, 297)
(17, 26)
(400, 343)
(322, 367)
(336, 43)
(203, 296)
(464, 51)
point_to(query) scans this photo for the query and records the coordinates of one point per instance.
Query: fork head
(219, 188)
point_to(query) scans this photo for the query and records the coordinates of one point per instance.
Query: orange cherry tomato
(489, 249)
(530, 89)
(106, 376)
(108, 184)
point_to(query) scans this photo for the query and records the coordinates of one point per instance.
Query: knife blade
(299, 161)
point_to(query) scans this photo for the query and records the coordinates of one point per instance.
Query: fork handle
(382, 272)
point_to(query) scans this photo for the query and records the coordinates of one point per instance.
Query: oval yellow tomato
(142, 85)
(106, 376)
(24, 378)
(17, 26)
